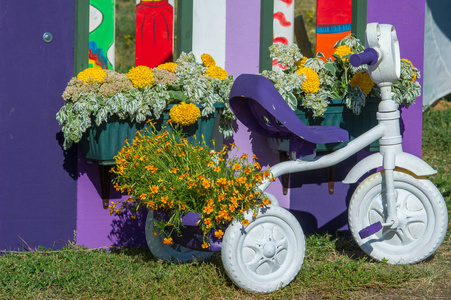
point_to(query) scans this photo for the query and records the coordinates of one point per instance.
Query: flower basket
(191, 235)
(336, 114)
(101, 143)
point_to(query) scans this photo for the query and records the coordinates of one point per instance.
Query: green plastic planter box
(337, 114)
(101, 143)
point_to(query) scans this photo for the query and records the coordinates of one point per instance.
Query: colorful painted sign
(101, 34)
(333, 23)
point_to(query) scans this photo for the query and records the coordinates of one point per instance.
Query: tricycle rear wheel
(267, 254)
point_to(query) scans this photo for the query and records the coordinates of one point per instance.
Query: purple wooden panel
(95, 226)
(242, 36)
(37, 179)
(408, 18)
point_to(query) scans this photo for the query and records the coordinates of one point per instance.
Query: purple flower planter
(191, 233)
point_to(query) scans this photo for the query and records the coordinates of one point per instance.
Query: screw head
(47, 37)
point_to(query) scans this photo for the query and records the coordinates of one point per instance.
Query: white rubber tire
(265, 255)
(173, 252)
(422, 215)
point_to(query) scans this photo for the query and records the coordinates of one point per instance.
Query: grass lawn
(334, 267)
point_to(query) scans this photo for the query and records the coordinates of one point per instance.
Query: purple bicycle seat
(260, 107)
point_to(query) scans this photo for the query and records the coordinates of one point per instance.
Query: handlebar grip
(369, 57)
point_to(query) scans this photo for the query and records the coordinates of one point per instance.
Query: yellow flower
(169, 66)
(141, 76)
(362, 80)
(184, 114)
(217, 72)
(411, 65)
(311, 83)
(217, 169)
(219, 234)
(92, 75)
(300, 63)
(207, 60)
(342, 51)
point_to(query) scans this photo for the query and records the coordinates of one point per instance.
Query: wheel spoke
(404, 236)
(259, 261)
(253, 243)
(268, 234)
(281, 244)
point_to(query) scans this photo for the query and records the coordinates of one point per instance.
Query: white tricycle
(395, 215)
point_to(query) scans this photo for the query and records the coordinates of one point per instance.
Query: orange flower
(167, 241)
(208, 209)
(205, 245)
(207, 223)
(245, 222)
(219, 234)
(237, 166)
(154, 189)
(217, 169)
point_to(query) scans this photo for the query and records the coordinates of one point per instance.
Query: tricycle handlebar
(369, 57)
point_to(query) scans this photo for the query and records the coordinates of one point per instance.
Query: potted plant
(331, 91)
(98, 99)
(187, 184)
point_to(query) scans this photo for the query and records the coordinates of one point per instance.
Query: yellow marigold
(184, 114)
(217, 72)
(300, 63)
(141, 76)
(207, 60)
(411, 65)
(91, 75)
(343, 50)
(362, 80)
(169, 66)
(311, 83)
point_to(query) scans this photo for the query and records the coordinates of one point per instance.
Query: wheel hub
(269, 250)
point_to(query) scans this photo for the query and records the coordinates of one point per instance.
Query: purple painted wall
(37, 178)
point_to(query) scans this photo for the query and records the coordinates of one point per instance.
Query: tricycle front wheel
(173, 252)
(421, 212)
(267, 254)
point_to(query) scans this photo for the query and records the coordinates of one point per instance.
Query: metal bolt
(48, 37)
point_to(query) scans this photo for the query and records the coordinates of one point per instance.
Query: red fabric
(333, 12)
(154, 33)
